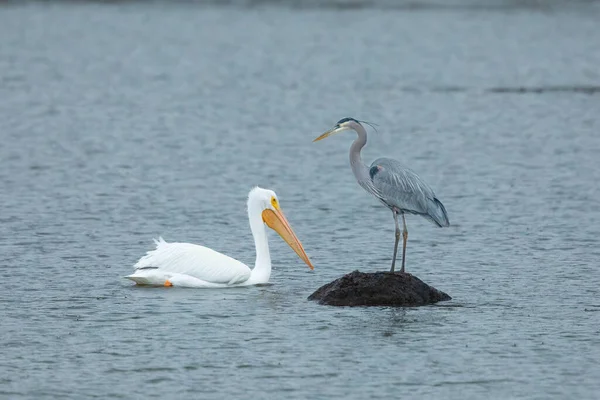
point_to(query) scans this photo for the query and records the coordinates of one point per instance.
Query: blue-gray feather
(399, 188)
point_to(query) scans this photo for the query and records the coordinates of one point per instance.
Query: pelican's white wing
(196, 261)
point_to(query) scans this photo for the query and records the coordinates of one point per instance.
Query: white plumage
(193, 260)
(191, 265)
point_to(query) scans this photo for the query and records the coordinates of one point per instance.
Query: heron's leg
(396, 243)
(405, 236)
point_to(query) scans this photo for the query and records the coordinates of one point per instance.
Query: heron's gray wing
(402, 188)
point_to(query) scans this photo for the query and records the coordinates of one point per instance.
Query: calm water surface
(122, 122)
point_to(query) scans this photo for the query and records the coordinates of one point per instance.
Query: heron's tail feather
(436, 212)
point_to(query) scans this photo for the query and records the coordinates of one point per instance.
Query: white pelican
(190, 265)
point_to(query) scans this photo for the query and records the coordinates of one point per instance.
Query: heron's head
(343, 124)
(265, 202)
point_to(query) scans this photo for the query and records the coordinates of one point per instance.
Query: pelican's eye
(274, 203)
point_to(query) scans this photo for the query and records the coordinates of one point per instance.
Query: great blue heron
(397, 187)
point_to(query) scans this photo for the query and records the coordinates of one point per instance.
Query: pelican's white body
(190, 265)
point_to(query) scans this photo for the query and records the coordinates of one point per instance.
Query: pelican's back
(401, 188)
(197, 261)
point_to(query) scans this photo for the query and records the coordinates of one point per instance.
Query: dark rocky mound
(378, 289)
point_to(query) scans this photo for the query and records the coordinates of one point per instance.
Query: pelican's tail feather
(146, 261)
(159, 242)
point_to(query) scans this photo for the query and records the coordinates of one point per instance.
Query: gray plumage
(396, 186)
(402, 189)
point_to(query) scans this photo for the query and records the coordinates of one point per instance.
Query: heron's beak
(277, 221)
(330, 132)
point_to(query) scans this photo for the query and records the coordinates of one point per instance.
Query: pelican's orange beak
(277, 221)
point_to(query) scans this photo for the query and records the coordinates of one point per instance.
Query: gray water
(123, 122)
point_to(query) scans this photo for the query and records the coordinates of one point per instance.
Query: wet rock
(378, 289)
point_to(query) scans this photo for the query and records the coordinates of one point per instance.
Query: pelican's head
(267, 202)
(343, 124)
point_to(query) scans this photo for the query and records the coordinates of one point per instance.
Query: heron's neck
(360, 170)
(262, 267)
